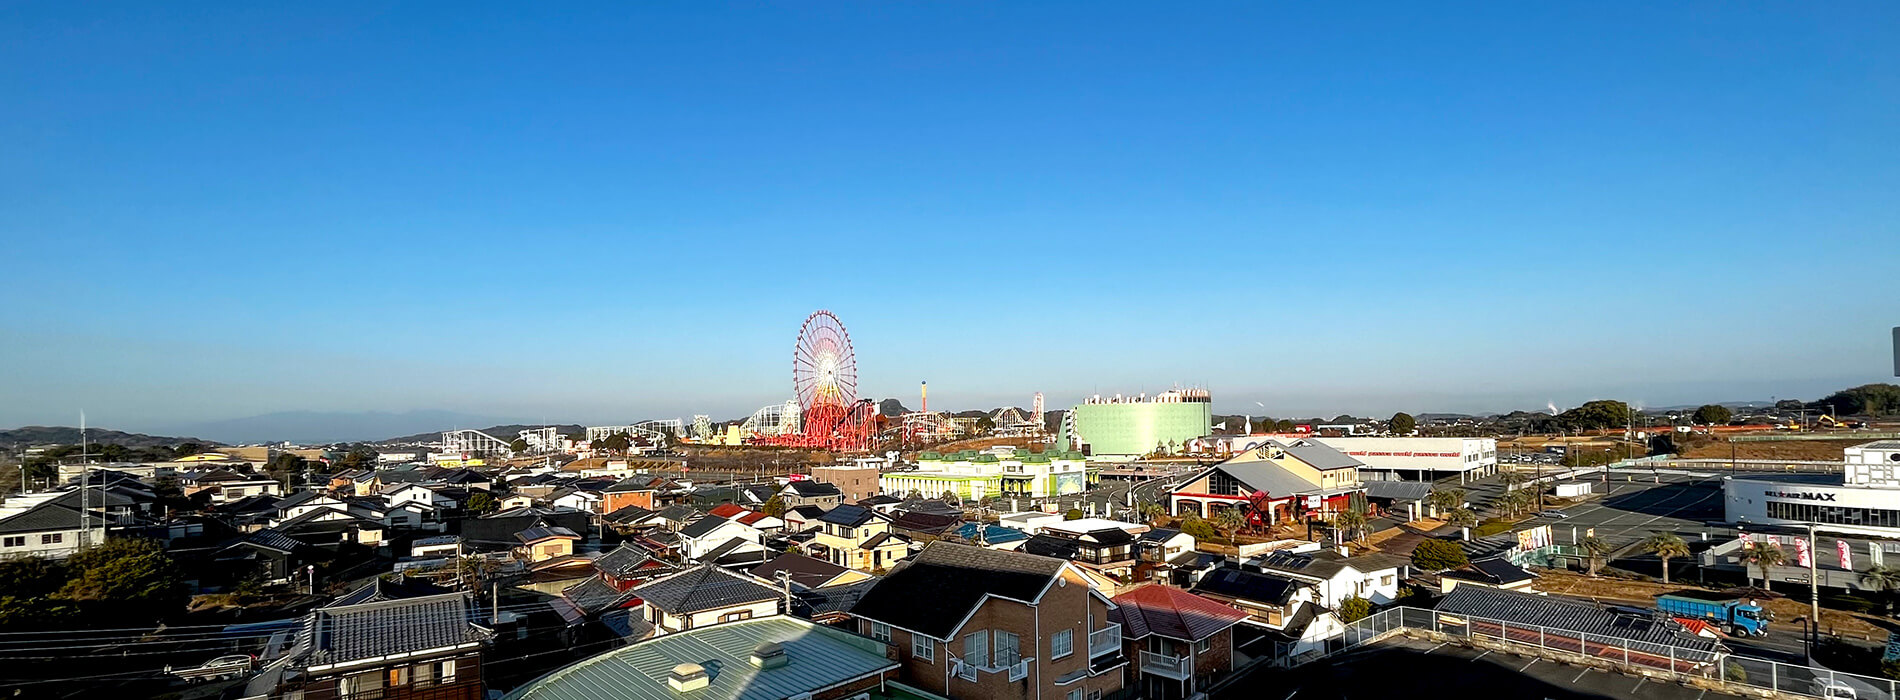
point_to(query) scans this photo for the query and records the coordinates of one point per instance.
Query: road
(1629, 507)
(1417, 668)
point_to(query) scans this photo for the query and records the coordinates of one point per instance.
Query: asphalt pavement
(1405, 667)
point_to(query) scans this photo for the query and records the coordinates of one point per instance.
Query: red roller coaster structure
(825, 377)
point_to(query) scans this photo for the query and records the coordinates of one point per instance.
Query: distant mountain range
(65, 435)
(324, 427)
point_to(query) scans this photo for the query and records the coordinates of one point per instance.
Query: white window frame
(923, 647)
(1061, 644)
(881, 632)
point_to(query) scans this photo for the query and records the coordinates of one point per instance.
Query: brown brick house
(969, 622)
(1177, 643)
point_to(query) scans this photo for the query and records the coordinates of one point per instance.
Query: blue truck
(1735, 616)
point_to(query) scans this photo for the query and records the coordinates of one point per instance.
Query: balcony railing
(967, 671)
(1105, 641)
(1175, 667)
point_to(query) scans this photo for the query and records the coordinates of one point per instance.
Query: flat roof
(821, 658)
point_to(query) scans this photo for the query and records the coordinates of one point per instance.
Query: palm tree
(1598, 549)
(1766, 556)
(1461, 517)
(1442, 500)
(1230, 520)
(1885, 579)
(1667, 546)
(1351, 523)
(1151, 512)
(1513, 502)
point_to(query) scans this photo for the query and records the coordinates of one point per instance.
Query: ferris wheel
(824, 370)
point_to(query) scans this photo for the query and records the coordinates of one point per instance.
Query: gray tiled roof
(705, 587)
(356, 632)
(47, 517)
(593, 595)
(625, 560)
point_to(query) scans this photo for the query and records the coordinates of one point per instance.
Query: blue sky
(608, 212)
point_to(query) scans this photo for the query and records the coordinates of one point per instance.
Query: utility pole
(1814, 592)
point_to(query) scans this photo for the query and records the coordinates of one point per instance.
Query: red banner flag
(1847, 554)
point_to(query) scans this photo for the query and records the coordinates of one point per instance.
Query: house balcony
(968, 671)
(1178, 668)
(1105, 641)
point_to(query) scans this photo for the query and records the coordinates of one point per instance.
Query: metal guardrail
(1682, 661)
(1869, 436)
(1175, 667)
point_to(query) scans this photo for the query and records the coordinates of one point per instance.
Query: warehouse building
(1419, 458)
(1863, 500)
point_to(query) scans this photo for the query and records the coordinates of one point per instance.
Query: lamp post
(1814, 592)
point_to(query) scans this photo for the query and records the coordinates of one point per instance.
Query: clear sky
(624, 210)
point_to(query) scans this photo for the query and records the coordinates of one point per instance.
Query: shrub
(1491, 527)
(1354, 608)
(1438, 555)
(1073, 514)
(1200, 529)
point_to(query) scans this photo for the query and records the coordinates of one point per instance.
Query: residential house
(1336, 576)
(423, 648)
(970, 622)
(224, 486)
(751, 518)
(577, 499)
(1284, 610)
(712, 539)
(495, 532)
(328, 528)
(923, 525)
(802, 518)
(1296, 478)
(265, 554)
(544, 542)
(1494, 572)
(640, 491)
(48, 530)
(811, 493)
(1177, 643)
(806, 572)
(767, 658)
(856, 537)
(856, 480)
(1109, 550)
(437, 546)
(706, 595)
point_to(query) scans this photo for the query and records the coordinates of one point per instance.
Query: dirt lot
(1718, 448)
(1644, 593)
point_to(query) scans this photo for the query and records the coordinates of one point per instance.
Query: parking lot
(1404, 667)
(1630, 506)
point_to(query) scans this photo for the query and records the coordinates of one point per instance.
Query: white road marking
(1639, 684)
(1580, 675)
(1528, 665)
(1436, 648)
(1480, 656)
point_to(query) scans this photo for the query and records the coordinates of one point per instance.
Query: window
(360, 684)
(1007, 651)
(1075, 694)
(53, 538)
(422, 673)
(881, 632)
(1202, 646)
(1386, 580)
(736, 616)
(445, 671)
(1061, 644)
(923, 647)
(976, 647)
(398, 676)
(14, 541)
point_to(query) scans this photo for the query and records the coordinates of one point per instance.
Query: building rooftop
(1532, 609)
(368, 631)
(1171, 612)
(820, 658)
(933, 591)
(704, 587)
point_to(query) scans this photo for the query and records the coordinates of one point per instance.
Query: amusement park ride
(827, 413)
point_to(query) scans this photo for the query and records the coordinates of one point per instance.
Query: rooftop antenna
(85, 492)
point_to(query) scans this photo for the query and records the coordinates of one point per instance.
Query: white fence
(1683, 661)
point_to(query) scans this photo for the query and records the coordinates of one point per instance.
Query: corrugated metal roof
(820, 658)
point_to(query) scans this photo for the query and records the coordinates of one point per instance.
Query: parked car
(1553, 514)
